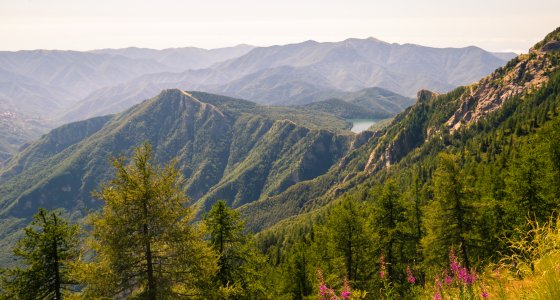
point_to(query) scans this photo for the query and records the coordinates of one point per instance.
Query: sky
(493, 25)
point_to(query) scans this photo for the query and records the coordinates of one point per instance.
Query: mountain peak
(371, 38)
(180, 99)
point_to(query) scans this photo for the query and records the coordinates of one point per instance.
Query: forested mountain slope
(225, 148)
(453, 178)
(427, 123)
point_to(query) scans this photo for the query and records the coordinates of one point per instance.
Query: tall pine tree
(145, 244)
(240, 266)
(447, 219)
(388, 219)
(46, 251)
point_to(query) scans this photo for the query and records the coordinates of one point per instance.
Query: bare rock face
(518, 77)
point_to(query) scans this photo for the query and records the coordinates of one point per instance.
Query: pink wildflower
(447, 279)
(484, 293)
(437, 296)
(345, 293)
(453, 262)
(463, 275)
(409, 277)
(472, 277)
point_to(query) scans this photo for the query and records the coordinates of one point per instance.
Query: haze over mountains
(41, 89)
(300, 73)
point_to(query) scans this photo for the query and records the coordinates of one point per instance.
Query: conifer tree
(348, 239)
(239, 264)
(447, 216)
(47, 251)
(530, 184)
(145, 245)
(388, 220)
(299, 271)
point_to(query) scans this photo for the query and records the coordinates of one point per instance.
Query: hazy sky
(509, 25)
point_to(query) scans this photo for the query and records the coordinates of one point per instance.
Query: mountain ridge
(297, 72)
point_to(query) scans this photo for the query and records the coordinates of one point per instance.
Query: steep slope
(296, 73)
(431, 125)
(382, 103)
(226, 148)
(342, 109)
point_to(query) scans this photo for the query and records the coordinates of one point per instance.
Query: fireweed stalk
(458, 282)
(327, 293)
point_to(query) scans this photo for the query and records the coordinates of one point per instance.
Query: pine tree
(529, 184)
(447, 216)
(47, 251)
(299, 272)
(388, 221)
(348, 238)
(240, 266)
(144, 243)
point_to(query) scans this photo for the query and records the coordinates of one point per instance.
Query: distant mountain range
(38, 85)
(57, 87)
(181, 59)
(306, 72)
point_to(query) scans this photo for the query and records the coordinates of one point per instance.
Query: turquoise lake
(359, 125)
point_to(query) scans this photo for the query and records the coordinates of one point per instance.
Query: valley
(359, 167)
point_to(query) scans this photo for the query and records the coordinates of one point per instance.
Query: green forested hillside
(370, 103)
(428, 185)
(225, 148)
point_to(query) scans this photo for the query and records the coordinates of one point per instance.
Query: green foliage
(46, 253)
(471, 190)
(448, 218)
(344, 242)
(345, 110)
(240, 266)
(144, 244)
(390, 224)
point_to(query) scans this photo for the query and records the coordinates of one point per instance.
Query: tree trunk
(151, 293)
(56, 267)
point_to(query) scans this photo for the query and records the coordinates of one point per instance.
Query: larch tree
(348, 239)
(388, 219)
(47, 252)
(239, 263)
(447, 220)
(144, 244)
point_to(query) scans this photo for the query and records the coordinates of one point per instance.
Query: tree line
(143, 244)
